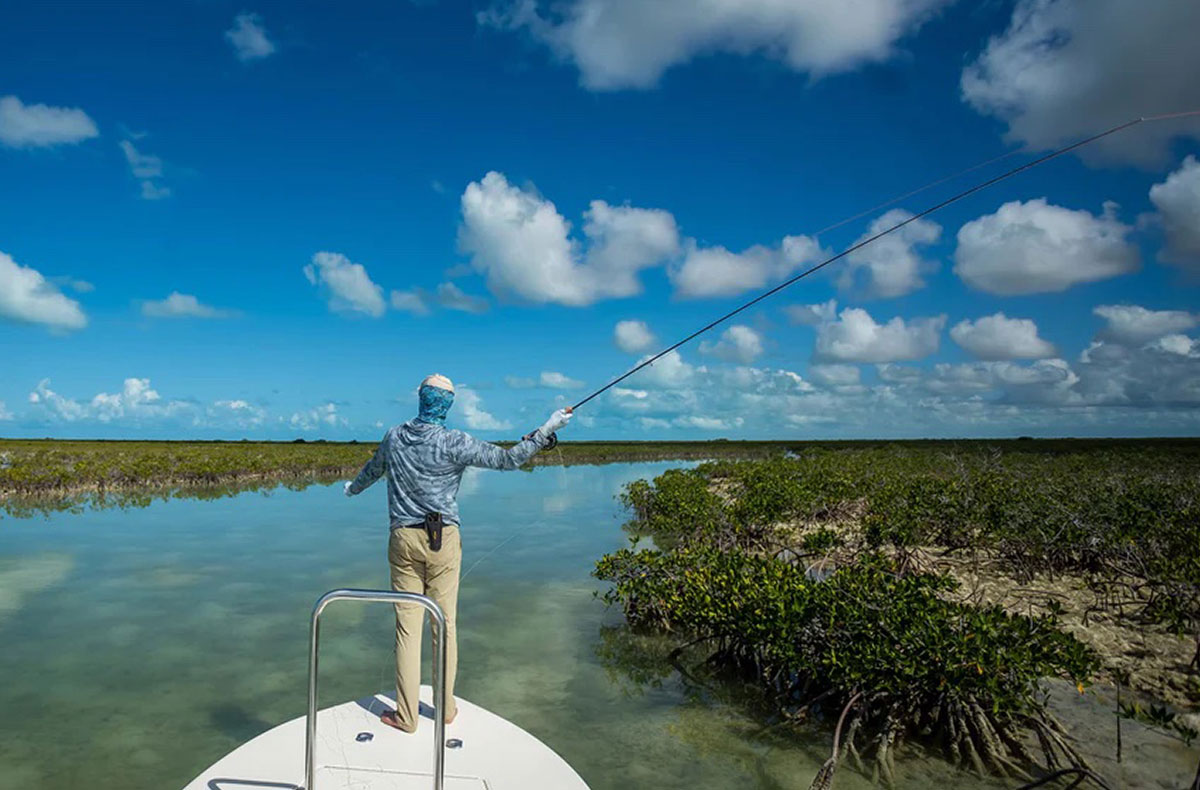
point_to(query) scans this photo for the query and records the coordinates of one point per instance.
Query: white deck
(495, 754)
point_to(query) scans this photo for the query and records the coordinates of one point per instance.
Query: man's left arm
(372, 470)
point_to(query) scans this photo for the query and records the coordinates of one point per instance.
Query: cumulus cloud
(28, 297)
(237, 413)
(558, 381)
(40, 126)
(1063, 68)
(633, 337)
(738, 343)
(898, 374)
(470, 406)
(346, 284)
(680, 395)
(549, 379)
(669, 372)
(1111, 389)
(524, 247)
(855, 337)
(836, 375)
(1134, 325)
(1148, 377)
(1181, 345)
(146, 168)
(64, 408)
(623, 240)
(1162, 373)
(137, 402)
(249, 39)
(811, 314)
(997, 337)
(630, 43)
(323, 416)
(178, 305)
(1178, 203)
(707, 423)
(1036, 247)
(136, 396)
(1046, 381)
(891, 266)
(717, 271)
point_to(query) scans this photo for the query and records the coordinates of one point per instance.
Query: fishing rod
(859, 245)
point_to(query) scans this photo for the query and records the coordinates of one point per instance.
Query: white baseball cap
(440, 381)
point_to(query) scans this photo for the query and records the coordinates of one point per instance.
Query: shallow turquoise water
(139, 646)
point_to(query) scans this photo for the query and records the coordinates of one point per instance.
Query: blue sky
(271, 220)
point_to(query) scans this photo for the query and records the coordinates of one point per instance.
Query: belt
(432, 525)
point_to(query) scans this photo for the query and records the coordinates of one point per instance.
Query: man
(424, 462)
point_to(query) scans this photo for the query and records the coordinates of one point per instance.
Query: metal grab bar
(439, 670)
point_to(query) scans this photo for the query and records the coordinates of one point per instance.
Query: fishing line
(495, 549)
(859, 245)
(917, 191)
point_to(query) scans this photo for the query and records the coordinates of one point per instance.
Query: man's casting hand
(558, 419)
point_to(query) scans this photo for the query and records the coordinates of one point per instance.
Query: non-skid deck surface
(355, 751)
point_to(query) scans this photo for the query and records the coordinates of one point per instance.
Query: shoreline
(41, 470)
(46, 469)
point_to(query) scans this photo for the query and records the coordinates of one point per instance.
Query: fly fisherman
(424, 462)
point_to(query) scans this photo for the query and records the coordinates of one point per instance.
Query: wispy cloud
(447, 295)
(148, 169)
(549, 379)
(249, 38)
(451, 297)
(413, 301)
(178, 305)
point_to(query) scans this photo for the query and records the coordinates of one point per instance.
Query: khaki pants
(415, 568)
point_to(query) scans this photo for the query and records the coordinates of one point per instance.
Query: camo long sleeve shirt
(424, 464)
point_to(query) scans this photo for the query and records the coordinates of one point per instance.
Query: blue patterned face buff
(435, 402)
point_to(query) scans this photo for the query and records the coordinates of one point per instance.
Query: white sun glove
(346, 488)
(558, 419)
